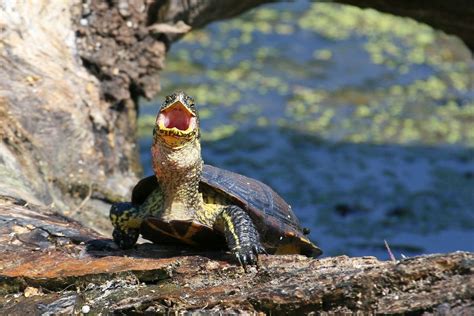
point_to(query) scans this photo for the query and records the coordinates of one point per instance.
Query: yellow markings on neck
(174, 137)
(174, 142)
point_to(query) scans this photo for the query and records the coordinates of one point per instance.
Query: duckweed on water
(218, 133)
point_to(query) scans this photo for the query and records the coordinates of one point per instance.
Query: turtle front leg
(126, 221)
(241, 235)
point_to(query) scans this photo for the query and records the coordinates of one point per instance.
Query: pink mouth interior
(176, 117)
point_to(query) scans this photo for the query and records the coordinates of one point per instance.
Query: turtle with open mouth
(200, 205)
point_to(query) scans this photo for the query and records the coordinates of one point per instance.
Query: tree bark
(49, 264)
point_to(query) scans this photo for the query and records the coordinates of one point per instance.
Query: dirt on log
(52, 265)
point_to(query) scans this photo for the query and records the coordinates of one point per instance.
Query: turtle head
(177, 122)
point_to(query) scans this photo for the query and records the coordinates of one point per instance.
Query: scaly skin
(177, 165)
(178, 171)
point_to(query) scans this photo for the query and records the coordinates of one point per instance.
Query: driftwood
(49, 264)
(72, 73)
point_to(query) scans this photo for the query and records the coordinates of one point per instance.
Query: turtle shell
(279, 228)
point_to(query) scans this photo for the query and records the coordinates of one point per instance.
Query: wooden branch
(198, 13)
(49, 264)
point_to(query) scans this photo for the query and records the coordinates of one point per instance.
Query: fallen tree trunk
(49, 264)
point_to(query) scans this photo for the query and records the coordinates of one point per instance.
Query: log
(51, 264)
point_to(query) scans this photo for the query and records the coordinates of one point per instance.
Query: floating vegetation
(218, 133)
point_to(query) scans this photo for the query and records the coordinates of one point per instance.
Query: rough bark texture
(123, 43)
(453, 17)
(62, 141)
(49, 264)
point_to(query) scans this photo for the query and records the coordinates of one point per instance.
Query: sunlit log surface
(49, 264)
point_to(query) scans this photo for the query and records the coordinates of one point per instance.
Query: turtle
(187, 201)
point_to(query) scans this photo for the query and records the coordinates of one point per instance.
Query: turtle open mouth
(176, 119)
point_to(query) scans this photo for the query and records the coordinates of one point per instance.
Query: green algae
(219, 133)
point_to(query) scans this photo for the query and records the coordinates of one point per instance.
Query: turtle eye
(190, 102)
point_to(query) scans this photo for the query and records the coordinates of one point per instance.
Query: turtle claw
(258, 249)
(247, 255)
(239, 259)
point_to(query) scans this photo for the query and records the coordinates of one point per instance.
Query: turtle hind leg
(126, 220)
(241, 235)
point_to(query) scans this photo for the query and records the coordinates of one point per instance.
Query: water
(363, 122)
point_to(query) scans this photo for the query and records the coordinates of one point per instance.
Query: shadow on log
(50, 264)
